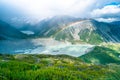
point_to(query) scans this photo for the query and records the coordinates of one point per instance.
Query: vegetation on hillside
(90, 37)
(109, 55)
(85, 37)
(102, 55)
(52, 67)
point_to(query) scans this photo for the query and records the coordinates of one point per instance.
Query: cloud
(49, 8)
(45, 8)
(107, 19)
(108, 11)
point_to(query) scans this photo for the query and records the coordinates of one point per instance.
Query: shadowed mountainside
(9, 32)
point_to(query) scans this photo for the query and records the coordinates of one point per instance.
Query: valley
(60, 48)
(59, 39)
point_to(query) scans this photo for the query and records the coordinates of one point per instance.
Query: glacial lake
(43, 46)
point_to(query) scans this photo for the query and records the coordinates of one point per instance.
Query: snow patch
(28, 32)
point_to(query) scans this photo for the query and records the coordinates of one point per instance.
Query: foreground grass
(52, 67)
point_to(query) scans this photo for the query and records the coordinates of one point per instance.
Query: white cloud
(48, 8)
(107, 19)
(108, 11)
(45, 8)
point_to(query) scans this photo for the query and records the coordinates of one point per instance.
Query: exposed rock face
(109, 32)
(67, 28)
(48, 27)
(90, 31)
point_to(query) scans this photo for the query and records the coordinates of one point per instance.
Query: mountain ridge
(72, 29)
(90, 28)
(9, 32)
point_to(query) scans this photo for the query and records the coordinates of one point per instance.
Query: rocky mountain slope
(66, 28)
(49, 27)
(89, 31)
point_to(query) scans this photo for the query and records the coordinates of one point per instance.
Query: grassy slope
(51, 67)
(102, 55)
(108, 55)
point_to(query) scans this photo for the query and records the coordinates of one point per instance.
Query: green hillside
(53, 67)
(102, 55)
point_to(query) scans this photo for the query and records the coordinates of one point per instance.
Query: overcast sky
(47, 8)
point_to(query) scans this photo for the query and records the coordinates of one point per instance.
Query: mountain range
(66, 28)
(95, 58)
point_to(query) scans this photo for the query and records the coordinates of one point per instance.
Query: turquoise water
(39, 46)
